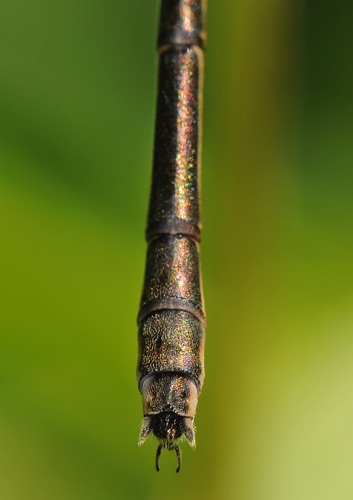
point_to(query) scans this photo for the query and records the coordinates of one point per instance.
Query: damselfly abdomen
(171, 319)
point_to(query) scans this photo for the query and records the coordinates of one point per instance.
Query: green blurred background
(77, 97)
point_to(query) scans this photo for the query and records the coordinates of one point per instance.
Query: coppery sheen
(171, 319)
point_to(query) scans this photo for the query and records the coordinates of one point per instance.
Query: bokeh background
(77, 97)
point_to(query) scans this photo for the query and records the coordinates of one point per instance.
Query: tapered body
(171, 319)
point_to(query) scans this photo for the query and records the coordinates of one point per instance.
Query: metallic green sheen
(172, 270)
(171, 319)
(171, 341)
(175, 183)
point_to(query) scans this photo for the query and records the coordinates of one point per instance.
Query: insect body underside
(171, 318)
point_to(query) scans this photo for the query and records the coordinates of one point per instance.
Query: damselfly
(171, 319)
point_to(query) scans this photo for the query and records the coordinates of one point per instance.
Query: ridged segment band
(181, 23)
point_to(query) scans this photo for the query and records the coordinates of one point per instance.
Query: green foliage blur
(77, 97)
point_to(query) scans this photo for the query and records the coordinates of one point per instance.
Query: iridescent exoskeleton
(171, 319)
